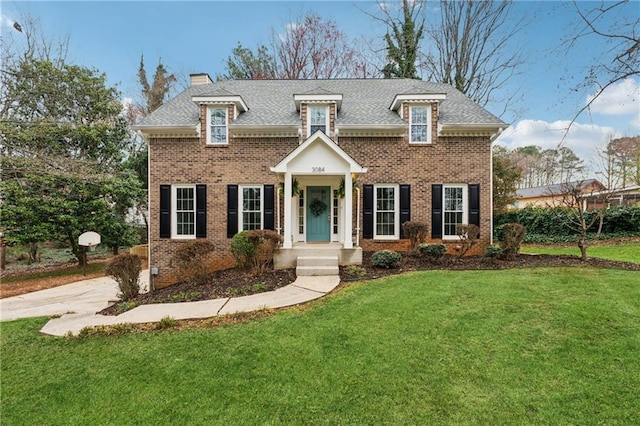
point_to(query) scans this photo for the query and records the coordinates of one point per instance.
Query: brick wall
(248, 161)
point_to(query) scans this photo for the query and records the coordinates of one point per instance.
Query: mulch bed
(234, 282)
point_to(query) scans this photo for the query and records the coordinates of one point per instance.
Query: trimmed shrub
(416, 232)
(493, 252)
(512, 237)
(386, 259)
(191, 258)
(264, 242)
(242, 249)
(254, 249)
(125, 270)
(432, 251)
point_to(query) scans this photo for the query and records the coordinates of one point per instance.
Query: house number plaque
(317, 169)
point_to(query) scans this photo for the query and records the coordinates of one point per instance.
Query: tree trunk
(33, 253)
(3, 255)
(582, 244)
(114, 250)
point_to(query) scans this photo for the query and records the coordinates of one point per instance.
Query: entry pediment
(318, 154)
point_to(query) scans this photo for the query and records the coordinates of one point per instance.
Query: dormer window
(420, 124)
(217, 125)
(318, 119)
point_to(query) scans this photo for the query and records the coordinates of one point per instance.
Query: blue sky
(193, 37)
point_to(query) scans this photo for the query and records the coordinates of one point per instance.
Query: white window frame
(174, 212)
(465, 207)
(241, 205)
(429, 109)
(210, 109)
(396, 202)
(326, 118)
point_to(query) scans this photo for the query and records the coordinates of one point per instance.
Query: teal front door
(318, 213)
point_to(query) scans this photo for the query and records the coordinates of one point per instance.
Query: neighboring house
(412, 150)
(627, 196)
(553, 195)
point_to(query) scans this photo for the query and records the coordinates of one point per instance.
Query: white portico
(318, 201)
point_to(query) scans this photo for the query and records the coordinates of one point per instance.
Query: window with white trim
(250, 208)
(386, 213)
(454, 209)
(217, 124)
(420, 124)
(184, 213)
(301, 210)
(318, 118)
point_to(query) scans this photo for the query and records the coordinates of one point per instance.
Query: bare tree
(621, 59)
(34, 44)
(574, 196)
(472, 49)
(310, 48)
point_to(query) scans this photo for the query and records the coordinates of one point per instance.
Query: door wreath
(317, 207)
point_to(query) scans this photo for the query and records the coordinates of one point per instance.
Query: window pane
(453, 210)
(185, 211)
(419, 133)
(419, 115)
(301, 210)
(218, 125)
(315, 128)
(317, 119)
(385, 211)
(218, 117)
(218, 134)
(251, 209)
(318, 116)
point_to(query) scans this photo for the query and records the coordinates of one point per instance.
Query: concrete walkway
(86, 296)
(79, 303)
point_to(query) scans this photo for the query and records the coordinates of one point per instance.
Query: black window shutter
(268, 206)
(405, 206)
(474, 204)
(165, 211)
(232, 210)
(201, 211)
(367, 202)
(436, 211)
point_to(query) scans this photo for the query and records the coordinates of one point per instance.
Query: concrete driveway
(88, 296)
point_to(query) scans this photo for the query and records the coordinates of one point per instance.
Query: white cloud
(621, 98)
(4, 20)
(585, 140)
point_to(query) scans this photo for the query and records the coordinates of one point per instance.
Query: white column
(287, 211)
(348, 210)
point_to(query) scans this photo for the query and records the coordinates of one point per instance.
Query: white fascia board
(149, 130)
(417, 98)
(480, 128)
(212, 100)
(327, 98)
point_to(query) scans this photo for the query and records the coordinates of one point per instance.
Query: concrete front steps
(315, 266)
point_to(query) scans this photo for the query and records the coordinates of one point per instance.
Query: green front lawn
(531, 346)
(629, 252)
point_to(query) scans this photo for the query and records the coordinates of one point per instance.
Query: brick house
(411, 150)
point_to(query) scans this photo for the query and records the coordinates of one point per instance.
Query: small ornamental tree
(469, 236)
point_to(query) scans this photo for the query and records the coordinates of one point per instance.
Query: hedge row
(554, 224)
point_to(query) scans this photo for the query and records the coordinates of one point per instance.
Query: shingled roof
(365, 102)
(557, 188)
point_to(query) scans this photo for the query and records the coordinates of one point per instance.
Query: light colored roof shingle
(365, 101)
